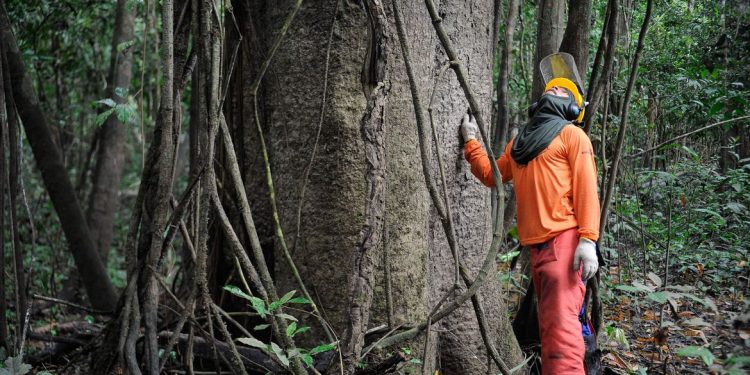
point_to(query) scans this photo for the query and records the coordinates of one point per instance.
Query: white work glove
(586, 254)
(469, 128)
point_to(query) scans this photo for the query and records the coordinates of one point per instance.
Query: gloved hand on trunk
(469, 128)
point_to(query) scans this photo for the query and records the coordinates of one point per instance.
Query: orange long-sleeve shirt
(554, 192)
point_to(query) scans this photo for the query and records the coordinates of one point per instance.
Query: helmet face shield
(559, 69)
(560, 65)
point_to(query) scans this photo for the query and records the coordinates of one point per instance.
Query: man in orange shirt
(551, 163)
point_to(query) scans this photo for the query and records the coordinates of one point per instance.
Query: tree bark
(98, 287)
(371, 238)
(3, 170)
(110, 157)
(549, 33)
(599, 81)
(420, 263)
(575, 41)
(503, 114)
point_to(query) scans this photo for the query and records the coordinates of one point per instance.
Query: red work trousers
(560, 295)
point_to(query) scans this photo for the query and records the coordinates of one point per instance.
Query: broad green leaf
(252, 341)
(738, 360)
(705, 301)
(658, 297)
(287, 297)
(259, 306)
(237, 292)
(123, 112)
(736, 207)
(507, 257)
(654, 278)
(280, 354)
(15, 366)
(715, 109)
(261, 327)
(291, 328)
(300, 300)
(308, 359)
(643, 287)
(301, 330)
(662, 297)
(293, 353)
(322, 348)
(715, 214)
(102, 117)
(109, 102)
(697, 351)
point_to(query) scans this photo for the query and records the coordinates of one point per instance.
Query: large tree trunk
(98, 287)
(418, 258)
(110, 157)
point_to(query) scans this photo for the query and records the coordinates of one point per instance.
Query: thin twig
(71, 304)
(677, 138)
(438, 151)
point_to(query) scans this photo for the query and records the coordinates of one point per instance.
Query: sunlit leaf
(252, 341)
(654, 278)
(109, 102)
(237, 292)
(259, 306)
(308, 359)
(300, 300)
(15, 366)
(322, 348)
(280, 354)
(291, 328)
(697, 351)
(102, 117)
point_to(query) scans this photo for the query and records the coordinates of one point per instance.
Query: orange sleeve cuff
(588, 236)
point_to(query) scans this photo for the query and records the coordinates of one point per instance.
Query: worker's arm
(480, 163)
(583, 168)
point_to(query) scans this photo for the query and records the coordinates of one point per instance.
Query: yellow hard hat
(572, 88)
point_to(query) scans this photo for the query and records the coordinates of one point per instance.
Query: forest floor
(701, 332)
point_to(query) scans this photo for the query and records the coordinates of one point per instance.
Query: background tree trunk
(576, 38)
(110, 157)
(549, 32)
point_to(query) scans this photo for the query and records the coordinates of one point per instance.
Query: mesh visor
(560, 65)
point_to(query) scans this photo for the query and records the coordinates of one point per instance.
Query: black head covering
(542, 128)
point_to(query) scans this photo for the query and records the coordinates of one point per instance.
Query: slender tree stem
(624, 118)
